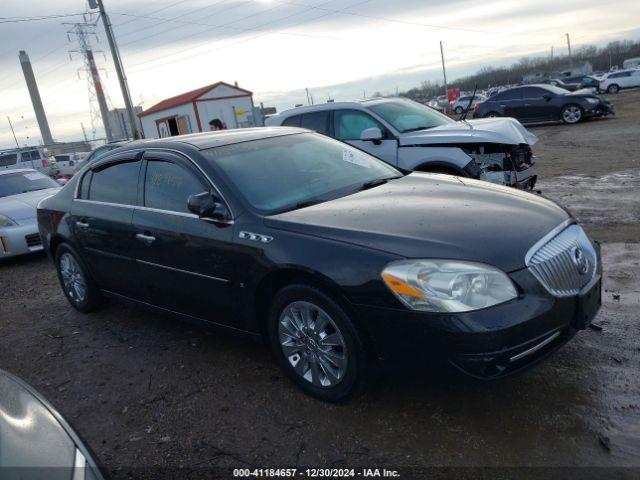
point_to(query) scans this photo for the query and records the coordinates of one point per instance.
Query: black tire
(357, 372)
(571, 114)
(458, 110)
(91, 299)
(492, 114)
(613, 88)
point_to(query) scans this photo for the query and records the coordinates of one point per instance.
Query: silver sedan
(20, 192)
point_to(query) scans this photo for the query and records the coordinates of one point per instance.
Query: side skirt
(186, 318)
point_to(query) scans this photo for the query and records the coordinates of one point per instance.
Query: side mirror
(373, 134)
(207, 206)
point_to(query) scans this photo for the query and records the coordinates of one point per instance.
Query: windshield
(408, 116)
(288, 172)
(23, 182)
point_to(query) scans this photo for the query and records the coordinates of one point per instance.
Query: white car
(462, 102)
(613, 82)
(20, 192)
(67, 162)
(412, 136)
(37, 158)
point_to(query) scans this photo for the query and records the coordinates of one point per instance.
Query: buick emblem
(581, 261)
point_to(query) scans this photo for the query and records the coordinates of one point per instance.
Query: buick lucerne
(338, 260)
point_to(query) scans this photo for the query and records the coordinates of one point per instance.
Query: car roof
(213, 139)
(333, 105)
(17, 170)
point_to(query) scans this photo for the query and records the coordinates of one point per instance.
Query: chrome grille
(564, 262)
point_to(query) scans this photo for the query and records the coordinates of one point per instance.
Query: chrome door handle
(503, 106)
(527, 104)
(82, 225)
(145, 238)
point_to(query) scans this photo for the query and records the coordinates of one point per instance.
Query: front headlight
(447, 285)
(593, 101)
(6, 221)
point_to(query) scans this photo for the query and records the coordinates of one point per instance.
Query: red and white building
(192, 111)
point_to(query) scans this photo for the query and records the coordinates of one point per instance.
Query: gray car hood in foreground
(22, 207)
(433, 216)
(507, 131)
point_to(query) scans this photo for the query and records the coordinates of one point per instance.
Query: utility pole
(569, 47)
(82, 31)
(84, 133)
(13, 131)
(124, 87)
(308, 97)
(444, 74)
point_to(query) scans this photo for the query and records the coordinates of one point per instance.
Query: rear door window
(513, 94)
(317, 121)
(292, 121)
(115, 183)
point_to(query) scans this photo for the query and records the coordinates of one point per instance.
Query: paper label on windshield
(355, 157)
(33, 176)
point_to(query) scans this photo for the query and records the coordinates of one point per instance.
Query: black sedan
(543, 103)
(338, 260)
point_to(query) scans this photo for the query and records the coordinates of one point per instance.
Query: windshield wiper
(375, 183)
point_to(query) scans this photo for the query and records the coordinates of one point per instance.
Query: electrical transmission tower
(99, 111)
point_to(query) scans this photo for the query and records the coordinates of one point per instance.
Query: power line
(35, 19)
(152, 12)
(186, 22)
(243, 31)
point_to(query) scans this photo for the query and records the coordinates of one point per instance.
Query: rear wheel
(77, 285)
(458, 110)
(613, 88)
(571, 114)
(492, 115)
(317, 344)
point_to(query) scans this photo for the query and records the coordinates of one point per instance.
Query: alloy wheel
(72, 277)
(312, 344)
(572, 114)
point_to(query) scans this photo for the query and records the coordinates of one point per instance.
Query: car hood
(583, 92)
(486, 130)
(433, 216)
(22, 207)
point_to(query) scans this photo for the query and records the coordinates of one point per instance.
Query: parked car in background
(461, 104)
(37, 442)
(20, 192)
(439, 103)
(582, 81)
(412, 136)
(98, 152)
(631, 63)
(67, 162)
(335, 258)
(543, 103)
(615, 81)
(574, 83)
(37, 158)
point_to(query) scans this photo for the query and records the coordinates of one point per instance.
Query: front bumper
(602, 109)
(19, 240)
(488, 343)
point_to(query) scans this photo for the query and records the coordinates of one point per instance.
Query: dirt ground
(149, 393)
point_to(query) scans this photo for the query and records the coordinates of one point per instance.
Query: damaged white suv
(411, 136)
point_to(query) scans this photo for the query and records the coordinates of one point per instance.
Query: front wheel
(76, 283)
(316, 344)
(492, 115)
(571, 114)
(458, 110)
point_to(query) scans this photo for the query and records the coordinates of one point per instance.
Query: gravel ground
(148, 391)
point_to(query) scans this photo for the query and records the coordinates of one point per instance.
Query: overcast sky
(276, 48)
